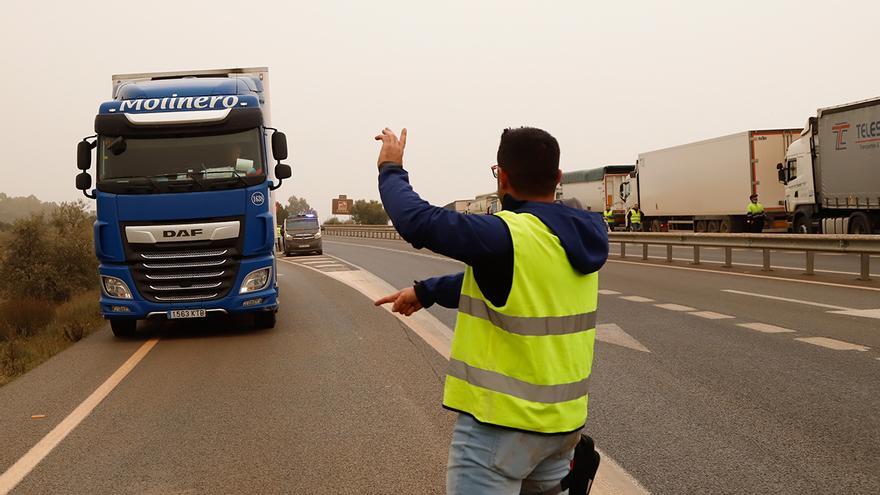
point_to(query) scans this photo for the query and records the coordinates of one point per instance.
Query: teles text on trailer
(832, 173)
(184, 226)
(705, 186)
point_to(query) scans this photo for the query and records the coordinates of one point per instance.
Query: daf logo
(182, 233)
(257, 198)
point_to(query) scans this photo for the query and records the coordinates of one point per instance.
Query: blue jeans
(487, 460)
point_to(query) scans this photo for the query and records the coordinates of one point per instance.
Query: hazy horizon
(609, 81)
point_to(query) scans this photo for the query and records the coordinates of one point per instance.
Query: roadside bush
(50, 258)
(77, 317)
(25, 318)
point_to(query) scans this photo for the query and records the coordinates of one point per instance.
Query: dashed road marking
(710, 315)
(786, 299)
(764, 327)
(675, 307)
(608, 292)
(38, 452)
(864, 313)
(837, 345)
(639, 299)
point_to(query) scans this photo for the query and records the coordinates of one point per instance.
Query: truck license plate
(303, 245)
(186, 313)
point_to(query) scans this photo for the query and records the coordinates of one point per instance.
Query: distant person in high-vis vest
(755, 215)
(522, 350)
(609, 218)
(634, 218)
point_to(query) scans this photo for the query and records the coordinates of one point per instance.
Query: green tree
(370, 212)
(281, 213)
(332, 221)
(297, 206)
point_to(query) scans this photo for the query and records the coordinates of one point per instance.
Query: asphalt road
(342, 398)
(715, 407)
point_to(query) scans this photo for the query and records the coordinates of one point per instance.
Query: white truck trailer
(832, 173)
(705, 186)
(597, 188)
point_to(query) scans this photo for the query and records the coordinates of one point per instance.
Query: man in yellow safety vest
(609, 218)
(522, 350)
(634, 218)
(755, 215)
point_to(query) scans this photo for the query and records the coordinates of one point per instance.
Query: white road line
(864, 313)
(608, 292)
(611, 479)
(638, 299)
(675, 307)
(764, 327)
(786, 299)
(837, 345)
(613, 334)
(709, 315)
(38, 452)
(328, 265)
(747, 275)
(434, 256)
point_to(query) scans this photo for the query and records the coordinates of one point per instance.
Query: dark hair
(530, 157)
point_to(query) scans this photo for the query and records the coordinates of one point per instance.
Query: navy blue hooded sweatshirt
(483, 241)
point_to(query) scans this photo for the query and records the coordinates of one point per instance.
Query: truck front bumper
(139, 308)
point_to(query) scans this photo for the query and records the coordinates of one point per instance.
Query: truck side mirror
(780, 172)
(283, 171)
(83, 155)
(279, 146)
(84, 183)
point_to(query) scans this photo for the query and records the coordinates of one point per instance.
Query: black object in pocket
(583, 468)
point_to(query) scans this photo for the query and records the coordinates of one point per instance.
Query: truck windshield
(141, 165)
(310, 224)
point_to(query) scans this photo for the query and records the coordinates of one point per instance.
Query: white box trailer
(597, 188)
(705, 186)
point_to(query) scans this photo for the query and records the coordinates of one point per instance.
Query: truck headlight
(255, 280)
(115, 287)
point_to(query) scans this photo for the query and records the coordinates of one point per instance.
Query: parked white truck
(597, 188)
(832, 173)
(705, 186)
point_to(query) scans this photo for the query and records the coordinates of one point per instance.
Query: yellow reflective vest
(635, 216)
(755, 209)
(526, 365)
(609, 216)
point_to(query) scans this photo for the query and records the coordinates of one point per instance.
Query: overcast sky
(608, 79)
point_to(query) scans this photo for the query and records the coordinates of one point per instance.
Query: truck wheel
(802, 225)
(713, 226)
(264, 319)
(656, 226)
(700, 226)
(859, 224)
(726, 225)
(123, 328)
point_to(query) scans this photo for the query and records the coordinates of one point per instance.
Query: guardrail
(809, 244)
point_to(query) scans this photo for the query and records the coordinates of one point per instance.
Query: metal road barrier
(809, 244)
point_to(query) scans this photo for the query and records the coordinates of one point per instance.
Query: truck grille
(183, 275)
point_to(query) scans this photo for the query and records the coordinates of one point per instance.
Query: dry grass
(72, 321)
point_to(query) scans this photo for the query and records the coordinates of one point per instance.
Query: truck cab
(797, 175)
(184, 226)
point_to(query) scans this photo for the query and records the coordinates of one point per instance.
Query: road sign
(342, 205)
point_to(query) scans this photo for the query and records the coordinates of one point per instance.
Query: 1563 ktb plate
(176, 314)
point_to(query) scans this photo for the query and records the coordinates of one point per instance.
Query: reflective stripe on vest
(635, 216)
(527, 364)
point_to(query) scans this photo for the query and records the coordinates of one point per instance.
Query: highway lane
(716, 407)
(339, 398)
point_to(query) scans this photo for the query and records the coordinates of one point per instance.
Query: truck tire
(859, 224)
(123, 328)
(713, 226)
(802, 225)
(265, 319)
(726, 225)
(700, 226)
(656, 225)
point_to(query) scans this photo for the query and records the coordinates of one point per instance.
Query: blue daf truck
(185, 226)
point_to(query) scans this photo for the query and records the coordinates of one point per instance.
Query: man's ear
(558, 177)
